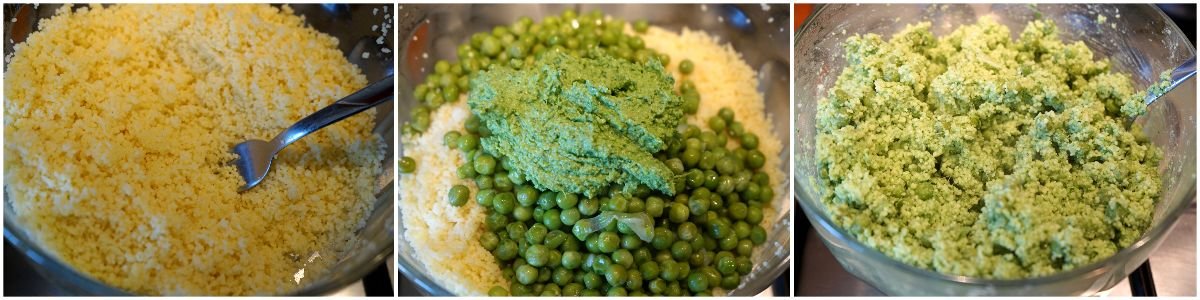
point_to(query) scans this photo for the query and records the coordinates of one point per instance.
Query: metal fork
(255, 156)
(1181, 73)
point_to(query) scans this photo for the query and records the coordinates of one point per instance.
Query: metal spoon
(1185, 70)
(255, 156)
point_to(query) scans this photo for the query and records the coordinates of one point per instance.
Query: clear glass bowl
(351, 24)
(760, 33)
(1141, 42)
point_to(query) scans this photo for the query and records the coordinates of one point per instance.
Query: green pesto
(974, 154)
(580, 124)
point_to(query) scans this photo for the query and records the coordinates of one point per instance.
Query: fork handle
(378, 92)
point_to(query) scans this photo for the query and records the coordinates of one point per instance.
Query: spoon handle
(378, 92)
(1180, 74)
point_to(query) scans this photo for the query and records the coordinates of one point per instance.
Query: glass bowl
(1141, 42)
(351, 24)
(759, 32)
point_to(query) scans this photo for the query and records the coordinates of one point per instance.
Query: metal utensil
(1185, 70)
(255, 156)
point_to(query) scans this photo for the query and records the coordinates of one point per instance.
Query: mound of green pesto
(580, 124)
(974, 154)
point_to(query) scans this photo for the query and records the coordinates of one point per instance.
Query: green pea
(716, 124)
(688, 231)
(504, 202)
(616, 292)
(550, 290)
(592, 281)
(601, 263)
(522, 213)
(555, 238)
(489, 241)
(526, 274)
(758, 235)
(623, 257)
(589, 206)
(691, 102)
(526, 195)
(407, 165)
(484, 182)
(497, 291)
(458, 195)
(686, 66)
(725, 185)
(562, 276)
(640, 26)
(741, 229)
(745, 247)
(669, 272)
(573, 289)
(737, 211)
(566, 200)
(754, 215)
(681, 250)
(697, 282)
(691, 157)
(736, 129)
(657, 286)
(749, 141)
(608, 242)
(730, 282)
(729, 242)
(718, 229)
(726, 265)
(579, 230)
(571, 260)
(537, 255)
(516, 231)
(485, 164)
(636, 205)
(570, 216)
(679, 213)
(545, 200)
(744, 266)
(654, 206)
(726, 114)
(490, 46)
(495, 222)
(663, 238)
(507, 250)
(468, 142)
(536, 234)
(503, 183)
(552, 219)
(727, 165)
(450, 139)
(755, 159)
(630, 242)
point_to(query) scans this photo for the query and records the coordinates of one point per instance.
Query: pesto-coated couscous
(974, 154)
(117, 127)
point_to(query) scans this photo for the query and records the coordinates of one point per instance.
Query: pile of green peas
(703, 236)
(518, 45)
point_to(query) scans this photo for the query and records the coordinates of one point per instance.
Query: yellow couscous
(118, 123)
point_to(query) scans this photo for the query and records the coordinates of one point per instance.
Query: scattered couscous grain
(118, 123)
